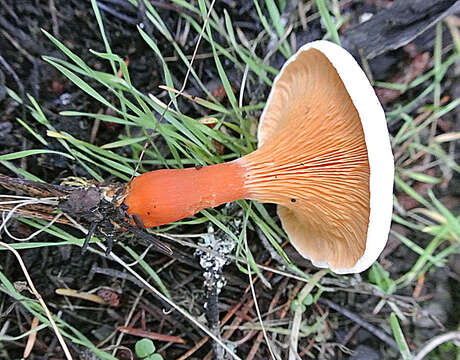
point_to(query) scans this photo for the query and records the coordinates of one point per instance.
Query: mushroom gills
(316, 154)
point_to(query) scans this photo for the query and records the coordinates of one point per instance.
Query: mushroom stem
(163, 196)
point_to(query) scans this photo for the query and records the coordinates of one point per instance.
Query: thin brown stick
(255, 347)
(53, 12)
(357, 319)
(197, 346)
(256, 305)
(128, 319)
(32, 337)
(246, 305)
(18, 47)
(151, 335)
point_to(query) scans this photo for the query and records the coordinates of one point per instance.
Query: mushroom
(323, 156)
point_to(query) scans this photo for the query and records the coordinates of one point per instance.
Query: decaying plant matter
(95, 205)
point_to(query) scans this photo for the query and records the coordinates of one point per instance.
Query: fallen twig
(32, 337)
(357, 319)
(150, 335)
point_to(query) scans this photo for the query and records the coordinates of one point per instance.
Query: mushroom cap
(325, 128)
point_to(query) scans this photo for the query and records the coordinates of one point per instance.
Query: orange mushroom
(324, 157)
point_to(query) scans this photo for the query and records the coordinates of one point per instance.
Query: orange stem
(163, 196)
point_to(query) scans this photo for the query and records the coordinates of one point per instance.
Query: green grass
(399, 337)
(433, 237)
